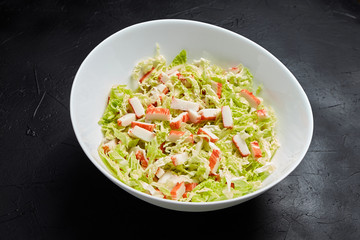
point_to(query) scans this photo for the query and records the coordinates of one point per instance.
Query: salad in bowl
(192, 131)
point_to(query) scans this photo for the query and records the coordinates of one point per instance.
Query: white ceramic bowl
(112, 61)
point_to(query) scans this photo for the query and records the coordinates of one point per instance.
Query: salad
(191, 131)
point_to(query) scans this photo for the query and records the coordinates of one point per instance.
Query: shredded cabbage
(235, 175)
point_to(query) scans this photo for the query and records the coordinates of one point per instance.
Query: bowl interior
(112, 61)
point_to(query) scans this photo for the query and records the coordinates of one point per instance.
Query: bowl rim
(148, 197)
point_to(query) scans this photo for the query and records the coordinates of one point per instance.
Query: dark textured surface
(50, 190)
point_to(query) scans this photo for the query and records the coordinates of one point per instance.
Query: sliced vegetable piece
(154, 192)
(169, 179)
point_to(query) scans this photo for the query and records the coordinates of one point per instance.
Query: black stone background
(50, 190)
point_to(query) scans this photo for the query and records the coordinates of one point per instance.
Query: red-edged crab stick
(177, 191)
(163, 77)
(227, 117)
(210, 136)
(255, 149)
(252, 100)
(217, 88)
(153, 113)
(214, 160)
(176, 135)
(241, 145)
(141, 133)
(175, 123)
(209, 114)
(184, 105)
(107, 147)
(126, 119)
(146, 75)
(148, 126)
(140, 155)
(162, 88)
(262, 114)
(194, 116)
(137, 107)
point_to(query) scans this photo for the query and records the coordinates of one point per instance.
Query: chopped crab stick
(252, 100)
(146, 75)
(255, 149)
(153, 113)
(184, 105)
(158, 91)
(126, 119)
(179, 159)
(159, 172)
(141, 133)
(262, 114)
(227, 117)
(217, 88)
(209, 114)
(140, 155)
(109, 146)
(176, 122)
(241, 145)
(190, 186)
(214, 160)
(177, 191)
(183, 80)
(137, 107)
(148, 126)
(194, 116)
(210, 136)
(176, 135)
(234, 70)
(162, 88)
(163, 77)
